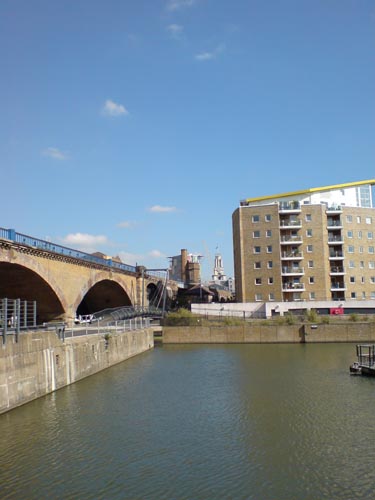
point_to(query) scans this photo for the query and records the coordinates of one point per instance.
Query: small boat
(355, 369)
(366, 361)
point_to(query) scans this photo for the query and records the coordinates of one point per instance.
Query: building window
(362, 264)
(363, 295)
(362, 280)
(257, 265)
(310, 263)
(271, 296)
(372, 279)
(269, 248)
(258, 297)
(353, 295)
(308, 217)
(256, 234)
(352, 279)
(309, 248)
(270, 264)
(258, 281)
(371, 264)
(270, 280)
(351, 264)
(256, 249)
(350, 249)
(309, 233)
(358, 219)
(255, 218)
(311, 280)
(268, 233)
(349, 218)
(372, 295)
(370, 249)
(268, 218)
(350, 234)
(360, 249)
(312, 295)
(368, 220)
(370, 235)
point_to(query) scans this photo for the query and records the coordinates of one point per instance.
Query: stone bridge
(64, 286)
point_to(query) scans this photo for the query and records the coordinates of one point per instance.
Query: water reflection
(202, 422)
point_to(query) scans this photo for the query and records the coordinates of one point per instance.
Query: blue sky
(134, 128)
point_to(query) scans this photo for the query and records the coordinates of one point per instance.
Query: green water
(200, 422)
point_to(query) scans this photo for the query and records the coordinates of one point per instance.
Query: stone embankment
(40, 363)
(262, 334)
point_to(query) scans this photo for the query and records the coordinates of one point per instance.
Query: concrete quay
(262, 334)
(40, 363)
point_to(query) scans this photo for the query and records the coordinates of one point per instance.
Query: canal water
(200, 422)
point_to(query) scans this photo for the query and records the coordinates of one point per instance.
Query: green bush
(233, 321)
(290, 319)
(325, 320)
(312, 316)
(353, 317)
(182, 317)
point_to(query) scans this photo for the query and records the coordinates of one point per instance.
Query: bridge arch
(20, 282)
(104, 293)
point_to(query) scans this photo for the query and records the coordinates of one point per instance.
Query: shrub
(290, 319)
(182, 317)
(353, 317)
(325, 319)
(233, 321)
(312, 316)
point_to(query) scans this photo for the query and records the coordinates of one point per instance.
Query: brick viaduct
(64, 286)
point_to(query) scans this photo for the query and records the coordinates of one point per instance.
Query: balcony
(334, 209)
(293, 287)
(290, 223)
(292, 255)
(337, 286)
(336, 255)
(332, 240)
(292, 271)
(336, 270)
(334, 224)
(288, 207)
(287, 240)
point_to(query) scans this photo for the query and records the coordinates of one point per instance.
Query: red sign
(336, 310)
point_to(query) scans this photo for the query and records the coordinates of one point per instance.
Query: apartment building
(315, 244)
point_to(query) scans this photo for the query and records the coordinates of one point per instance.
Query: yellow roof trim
(311, 190)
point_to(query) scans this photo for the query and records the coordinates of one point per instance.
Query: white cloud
(131, 258)
(161, 209)
(175, 30)
(156, 254)
(206, 56)
(173, 5)
(127, 224)
(55, 153)
(111, 108)
(86, 242)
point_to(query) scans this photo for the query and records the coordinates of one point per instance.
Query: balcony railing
(336, 255)
(290, 223)
(335, 239)
(292, 270)
(289, 206)
(334, 208)
(291, 239)
(336, 270)
(292, 255)
(293, 287)
(338, 286)
(334, 223)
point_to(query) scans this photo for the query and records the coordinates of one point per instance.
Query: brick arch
(29, 282)
(102, 292)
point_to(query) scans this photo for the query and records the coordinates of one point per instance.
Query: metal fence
(16, 315)
(97, 327)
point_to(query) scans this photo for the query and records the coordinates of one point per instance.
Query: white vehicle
(83, 318)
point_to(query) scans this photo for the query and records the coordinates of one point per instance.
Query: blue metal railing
(23, 239)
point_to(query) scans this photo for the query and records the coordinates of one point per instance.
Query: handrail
(23, 239)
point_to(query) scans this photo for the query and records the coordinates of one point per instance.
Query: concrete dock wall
(40, 363)
(261, 334)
